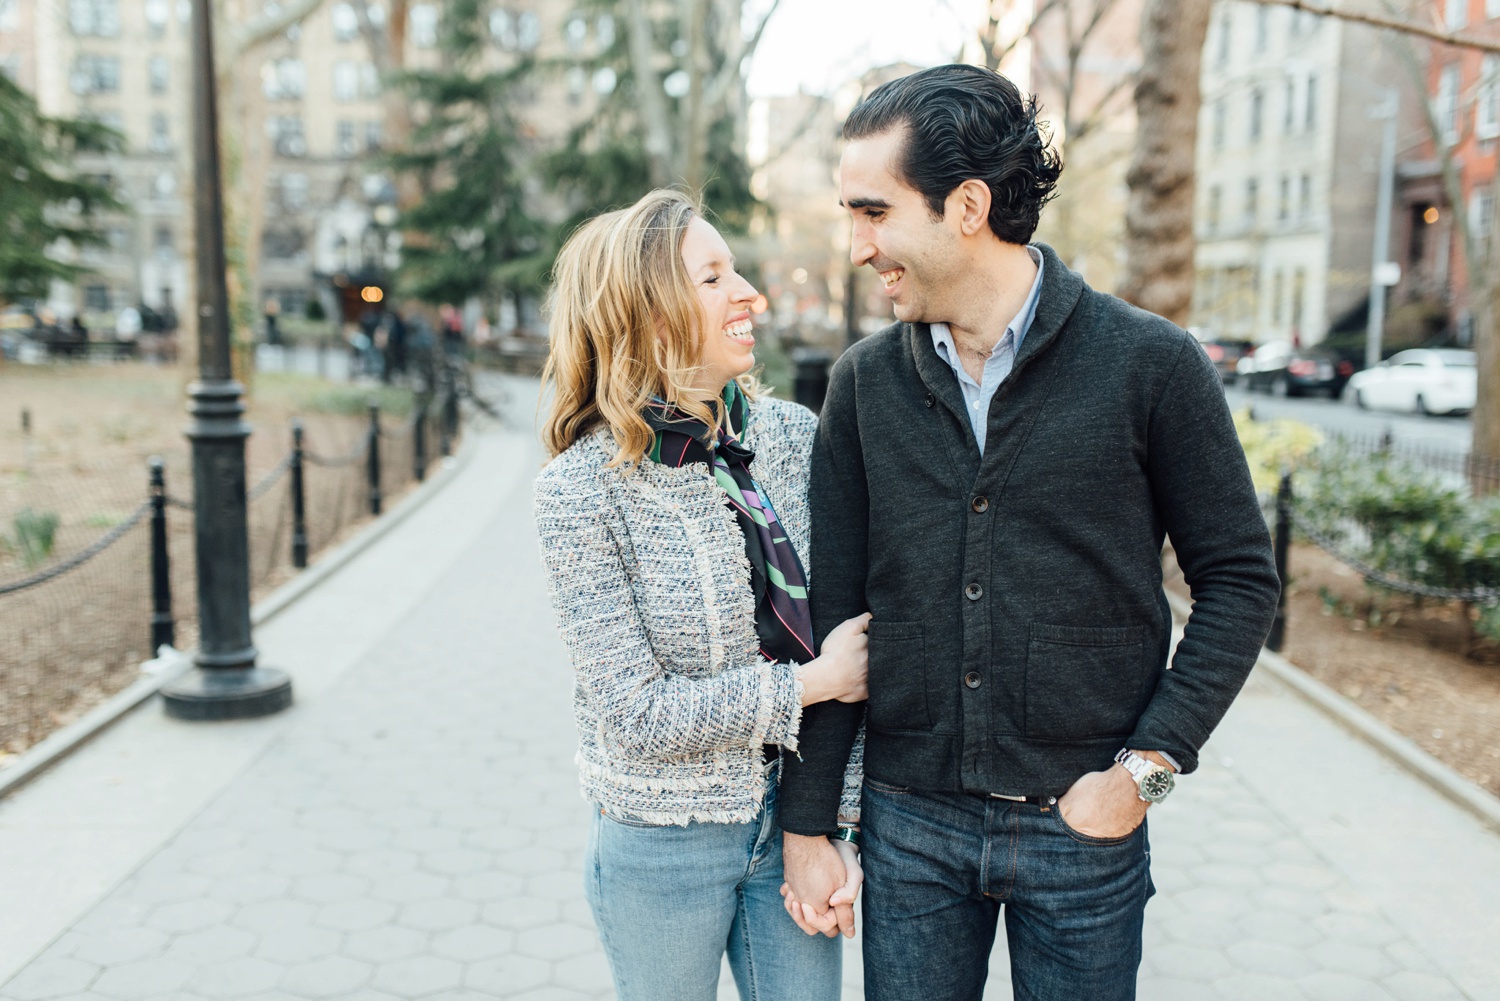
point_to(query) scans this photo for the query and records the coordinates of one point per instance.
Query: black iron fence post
(299, 501)
(810, 381)
(372, 460)
(419, 441)
(1282, 542)
(446, 394)
(450, 405)
(163, 630)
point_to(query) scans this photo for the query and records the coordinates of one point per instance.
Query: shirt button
(981, 504)
(973, 680)
(974, 592)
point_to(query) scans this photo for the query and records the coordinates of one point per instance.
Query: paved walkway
(412, 827)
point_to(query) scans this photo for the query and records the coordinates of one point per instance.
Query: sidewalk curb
(59, 745)
(1372, 731)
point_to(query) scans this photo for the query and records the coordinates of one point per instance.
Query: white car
(1422, 381)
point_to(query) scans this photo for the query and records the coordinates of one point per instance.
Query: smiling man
(993, 479)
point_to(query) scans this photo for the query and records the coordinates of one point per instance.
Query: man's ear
(971, 200)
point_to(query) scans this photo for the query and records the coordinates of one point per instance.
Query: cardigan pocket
(1084, 682)
(898, 677)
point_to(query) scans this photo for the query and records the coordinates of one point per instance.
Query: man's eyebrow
(864, 203)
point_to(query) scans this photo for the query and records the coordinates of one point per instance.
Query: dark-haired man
(993, 479)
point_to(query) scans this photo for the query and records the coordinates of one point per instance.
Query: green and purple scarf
(783, 620)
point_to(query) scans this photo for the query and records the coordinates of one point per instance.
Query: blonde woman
(673, 521)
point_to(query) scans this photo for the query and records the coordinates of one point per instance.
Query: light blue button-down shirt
(997, 366)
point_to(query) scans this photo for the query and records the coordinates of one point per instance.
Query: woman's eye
(711, 281)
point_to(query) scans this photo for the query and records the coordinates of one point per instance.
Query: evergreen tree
(470, 233)
(42, 205)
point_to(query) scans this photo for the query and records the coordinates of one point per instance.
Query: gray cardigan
(1020, 632)
(647, 572)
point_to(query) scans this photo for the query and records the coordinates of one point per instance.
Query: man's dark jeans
(938, 867)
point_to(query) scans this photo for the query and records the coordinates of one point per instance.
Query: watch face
(1156, 785)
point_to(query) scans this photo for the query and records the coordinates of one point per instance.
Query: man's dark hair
(966, 122)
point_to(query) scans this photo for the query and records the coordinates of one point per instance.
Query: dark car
(1282, 370)
(1226, 355)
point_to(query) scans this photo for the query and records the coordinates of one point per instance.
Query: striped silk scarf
(783, 620)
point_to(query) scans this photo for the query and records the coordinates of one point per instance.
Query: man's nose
(861, 247)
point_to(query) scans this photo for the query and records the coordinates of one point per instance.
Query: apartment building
(1429, 231)
(1287, 171)
(302, 114)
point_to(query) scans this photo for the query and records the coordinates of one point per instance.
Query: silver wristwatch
(1152, 781)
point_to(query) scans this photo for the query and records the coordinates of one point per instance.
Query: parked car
(1422, 380)
(1282, 370)
(1225, 355)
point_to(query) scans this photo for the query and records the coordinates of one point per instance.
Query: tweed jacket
(648, 575)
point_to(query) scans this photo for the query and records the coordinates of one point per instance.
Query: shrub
(36, 532)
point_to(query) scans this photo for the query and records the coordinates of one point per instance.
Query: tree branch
(258, 32)
(1460, 39)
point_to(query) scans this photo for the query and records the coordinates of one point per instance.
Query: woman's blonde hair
(625, 323)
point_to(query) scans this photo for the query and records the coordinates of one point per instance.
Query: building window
(1221, 118)
(10, 15)
(1299, 291)
(1284, 198)
(1487, 102)
(422, 25)
(286, 134)
(578, 82)
(1310, 121)
(1491, 9)
(369, 80)
(1447, 103)
(576, 34)
(1278, 294)
(1262, 28)
(503, 29)
(343, 143)
(1215, 205)
(292, 187)
(1481, 221)
(374, 136)
(345, 80)
(1257, 109)
(164, 184)
(1289, 117)
(1304, 197)
(283, 79)
(1221, 55)
(96, 298)
(158, 13)
(604, 31)
(1252, 201)
(94, 18)
(95, 75)
(1455, 14)
(162, 241)
(161, 135)
(345, 22)
(528, 31)
(159, 71)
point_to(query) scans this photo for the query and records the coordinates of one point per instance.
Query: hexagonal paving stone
(590, 974)
(169, 889)
(418, 975)
(505, 974)
(298, 945)
(228, 863)
(237, 978)
(457, 861)
(1268, 957)
(438, 915)
(1358, 960)
(274, 915)
(556, 941)
(1356, 928)
(1409, 985)
(381, 863)
(330, 888)
(1190, 962)
(51, 978)
(1195, 929)
(1213, 901)
(326, 978)
(410, 886)
(305, 861)
(249, 888)
(550, 994)
(1279, 927)
(189, 916)
(486, 886)
(384, 943)
(473, 942)
(143, 979)
(355, 915)
(520, 913)
(119, 945)
(1257, 987)
(211, 945)
(1328, 986)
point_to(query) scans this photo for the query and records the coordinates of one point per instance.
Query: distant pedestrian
(394, 327)
(273, 321)
(673, 522)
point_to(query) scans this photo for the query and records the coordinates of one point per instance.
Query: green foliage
(473, 232)
(315, 312)
(41, 201)
(36, 533)
(1271, 446)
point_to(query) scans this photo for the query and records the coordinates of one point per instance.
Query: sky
(821, 44)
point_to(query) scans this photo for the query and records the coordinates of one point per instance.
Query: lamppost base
(227, 693)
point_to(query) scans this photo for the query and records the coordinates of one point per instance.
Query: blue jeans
(939, 867)
(671, 901)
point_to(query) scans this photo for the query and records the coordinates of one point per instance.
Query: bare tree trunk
(1159, 240)
(387, 47)
(695, 145)
(651, 102)
(1485, 450)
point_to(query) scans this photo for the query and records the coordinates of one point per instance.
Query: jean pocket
(898, 677)
(1089, 839)
(626, 821)
(1084, 682)
(889, 788)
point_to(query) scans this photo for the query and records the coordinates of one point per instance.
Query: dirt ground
(1407, 669)
(67, 644)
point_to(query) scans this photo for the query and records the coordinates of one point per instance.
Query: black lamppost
(225, 683)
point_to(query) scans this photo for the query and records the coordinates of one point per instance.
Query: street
(1450, 434)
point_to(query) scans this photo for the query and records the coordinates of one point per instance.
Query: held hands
(841, 670)
(830, 872)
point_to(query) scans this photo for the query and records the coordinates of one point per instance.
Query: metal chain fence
(76, 592)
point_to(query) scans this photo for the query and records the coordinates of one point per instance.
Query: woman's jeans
(939, 867)
(670, 901)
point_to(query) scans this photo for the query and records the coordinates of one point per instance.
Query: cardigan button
(930, 400)
(981, 504)
(973, 680)
(973, 592)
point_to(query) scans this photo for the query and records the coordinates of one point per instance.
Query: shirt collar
(1015, 330)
